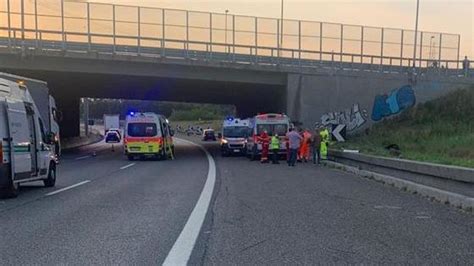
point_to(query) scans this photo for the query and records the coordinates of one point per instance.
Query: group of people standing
(300, 144)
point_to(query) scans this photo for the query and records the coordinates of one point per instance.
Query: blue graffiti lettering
(393, 103)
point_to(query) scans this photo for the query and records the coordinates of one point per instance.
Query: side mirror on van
(59, 116)
(50, 138)
(219, 135)
(172, 132)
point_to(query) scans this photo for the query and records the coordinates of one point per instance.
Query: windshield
(142, 130)
(235, 132)
(280, 129)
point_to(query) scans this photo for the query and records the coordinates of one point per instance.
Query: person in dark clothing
(466, 66)
(316, 146)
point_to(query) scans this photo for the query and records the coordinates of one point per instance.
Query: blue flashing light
(132, 113)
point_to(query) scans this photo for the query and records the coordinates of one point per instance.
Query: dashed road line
(67, 188)
(83, 157)
(127, 166)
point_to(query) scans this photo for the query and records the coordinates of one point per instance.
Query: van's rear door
(20, 140)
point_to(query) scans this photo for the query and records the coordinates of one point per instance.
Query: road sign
(339, 132)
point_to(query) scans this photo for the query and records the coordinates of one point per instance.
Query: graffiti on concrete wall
(393, 103)
(353, 118)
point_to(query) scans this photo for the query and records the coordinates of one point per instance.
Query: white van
(45, 103)
(234, 136)
(26, 153)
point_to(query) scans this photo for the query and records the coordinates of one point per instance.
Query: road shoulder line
(184, 245)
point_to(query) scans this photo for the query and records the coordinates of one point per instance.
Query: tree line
(174, 110)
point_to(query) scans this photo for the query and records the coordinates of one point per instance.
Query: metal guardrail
(217, 36)
(46, 40)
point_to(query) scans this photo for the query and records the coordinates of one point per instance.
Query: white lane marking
(67, 188)
(83, 157)
(184, 245)
(127, 166)
(387, 207)
(422, 217)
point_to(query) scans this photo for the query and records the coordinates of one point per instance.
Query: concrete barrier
(447, 184)
(457, 173)
(454, 199)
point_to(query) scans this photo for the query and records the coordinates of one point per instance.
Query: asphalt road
(122, 216)
(259, 214)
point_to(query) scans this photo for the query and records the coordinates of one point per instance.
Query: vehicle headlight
(224, 141)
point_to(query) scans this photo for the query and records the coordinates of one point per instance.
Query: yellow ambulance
(148, 135)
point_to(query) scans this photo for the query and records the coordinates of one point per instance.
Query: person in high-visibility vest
(305, 144)
(275, 148)
(324, 143)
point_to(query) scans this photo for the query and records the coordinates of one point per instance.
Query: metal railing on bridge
(107, 28)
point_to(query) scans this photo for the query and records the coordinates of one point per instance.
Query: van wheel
(131, 157)
(11, 191)
(51, 180)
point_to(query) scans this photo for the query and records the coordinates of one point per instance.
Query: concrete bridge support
(360, 99)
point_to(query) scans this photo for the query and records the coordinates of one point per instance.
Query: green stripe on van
(17, 148)
(22, 149)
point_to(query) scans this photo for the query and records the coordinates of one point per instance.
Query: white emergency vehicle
(272, 123)
(45, 103)
(26, 150)
(234, 136)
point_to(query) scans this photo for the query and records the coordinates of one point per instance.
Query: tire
(224, 153)
(11, 191)
(130, 157)
(51, 180)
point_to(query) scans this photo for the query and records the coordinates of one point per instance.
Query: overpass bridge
(307, 69)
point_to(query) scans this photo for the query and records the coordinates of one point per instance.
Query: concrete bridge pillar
(70, 108)
(293, 96)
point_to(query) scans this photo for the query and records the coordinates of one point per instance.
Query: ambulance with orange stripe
(148, 135)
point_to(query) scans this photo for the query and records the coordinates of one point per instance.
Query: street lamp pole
(281, 26)
(22, 7)
(416, 34)
(226, 12)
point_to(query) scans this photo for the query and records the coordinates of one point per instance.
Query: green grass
(439, 131)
